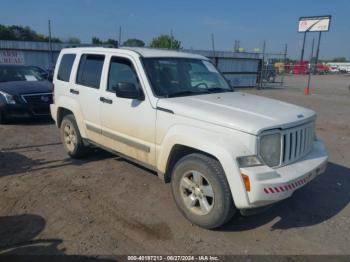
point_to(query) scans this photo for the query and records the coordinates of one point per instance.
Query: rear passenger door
(87, 91)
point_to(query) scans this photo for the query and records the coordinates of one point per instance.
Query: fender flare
(71, 105)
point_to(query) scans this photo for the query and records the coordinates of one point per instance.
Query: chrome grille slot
(296, 143)
(40, 98)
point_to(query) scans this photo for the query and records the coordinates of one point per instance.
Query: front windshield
(19, 73)
(171, 77)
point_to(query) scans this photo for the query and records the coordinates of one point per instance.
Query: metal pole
(317, 52)
(307, 89)
(213, 46)
(171, 38)
(212, 42)
(284, 63)
(302, 50)
(50, 44)
(120, 36)
(262, 66)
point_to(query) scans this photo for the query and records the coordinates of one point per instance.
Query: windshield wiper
(218, 89)
(184, 93)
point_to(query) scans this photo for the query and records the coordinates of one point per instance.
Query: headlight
(248, 161)
(9, 98)
(270, 149)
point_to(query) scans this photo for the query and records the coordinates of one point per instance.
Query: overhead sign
(11, 57)
(314, 23)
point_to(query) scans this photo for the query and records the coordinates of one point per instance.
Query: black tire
(74, 150)
(222, 205)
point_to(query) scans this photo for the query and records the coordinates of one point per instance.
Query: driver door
(128, 125)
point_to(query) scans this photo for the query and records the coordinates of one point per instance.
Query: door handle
(73, 91)
(106, 100)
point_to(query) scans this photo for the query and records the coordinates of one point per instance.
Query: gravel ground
(50, 204)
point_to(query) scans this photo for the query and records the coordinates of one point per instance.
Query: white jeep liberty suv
(174, 113)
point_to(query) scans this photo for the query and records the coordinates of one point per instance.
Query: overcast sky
(192, 21)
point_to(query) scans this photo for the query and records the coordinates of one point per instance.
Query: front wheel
(201, 191)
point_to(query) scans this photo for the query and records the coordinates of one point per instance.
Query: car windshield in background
(171, 77)
(19, 73)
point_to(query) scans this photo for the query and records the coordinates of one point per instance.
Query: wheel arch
(177, 152)
(61, 113)
(66, 105)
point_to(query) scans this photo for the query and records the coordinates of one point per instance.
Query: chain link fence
(272, 69)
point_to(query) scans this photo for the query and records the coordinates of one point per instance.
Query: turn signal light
(246, 182)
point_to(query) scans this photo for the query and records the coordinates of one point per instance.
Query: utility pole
(237, 44)
(171, 38)
(120, 36)
(50, 45)
(212, 42)
(213, 47)
(318, 51)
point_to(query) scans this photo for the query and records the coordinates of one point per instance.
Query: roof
(154, 52)
(141, 51)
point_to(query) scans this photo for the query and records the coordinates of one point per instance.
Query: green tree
(73, 40)
(20, 33)
(111, 42)
(96, 41)
(165, 41)
(134, 42)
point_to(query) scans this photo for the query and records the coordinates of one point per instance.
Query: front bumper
(25, 110)
(272, 185)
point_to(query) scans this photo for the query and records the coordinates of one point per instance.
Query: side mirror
(128, 90)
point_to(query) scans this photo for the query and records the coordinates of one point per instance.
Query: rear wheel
(201, 191)
(71, 138)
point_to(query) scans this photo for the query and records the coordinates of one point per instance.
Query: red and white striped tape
(290, 186)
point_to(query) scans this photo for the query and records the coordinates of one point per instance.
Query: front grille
(296, 143)
(41, 98)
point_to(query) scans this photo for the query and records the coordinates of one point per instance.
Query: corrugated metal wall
(240, 69)
(39, 58)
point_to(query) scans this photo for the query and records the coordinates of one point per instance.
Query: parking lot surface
(51, 204)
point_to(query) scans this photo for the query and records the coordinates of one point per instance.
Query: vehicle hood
(245, 112)
(26, 87)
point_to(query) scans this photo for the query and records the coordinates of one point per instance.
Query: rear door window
(90, 69)
(65, 67)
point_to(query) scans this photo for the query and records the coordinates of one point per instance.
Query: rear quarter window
(65, 68)
(90, 69)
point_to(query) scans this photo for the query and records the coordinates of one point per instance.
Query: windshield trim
(188, 58)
